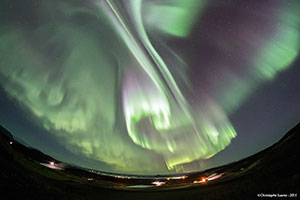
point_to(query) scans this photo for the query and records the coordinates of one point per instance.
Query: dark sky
(150, 88)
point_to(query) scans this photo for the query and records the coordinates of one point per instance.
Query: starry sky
(149, 86)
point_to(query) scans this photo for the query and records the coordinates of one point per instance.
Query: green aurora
(112, 97)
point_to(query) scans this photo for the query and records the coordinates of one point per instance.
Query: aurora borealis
(148, 86)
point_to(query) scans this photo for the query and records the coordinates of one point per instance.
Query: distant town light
(54, 165)
(179, 177)
(158, 183)
(203, 180)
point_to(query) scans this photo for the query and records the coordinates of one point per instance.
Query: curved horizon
(149, 87)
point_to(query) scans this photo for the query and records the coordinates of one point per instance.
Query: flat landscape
(29, 174)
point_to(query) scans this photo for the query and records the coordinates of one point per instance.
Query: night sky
(149, 87)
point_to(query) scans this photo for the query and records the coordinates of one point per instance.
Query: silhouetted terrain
(29, 174)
